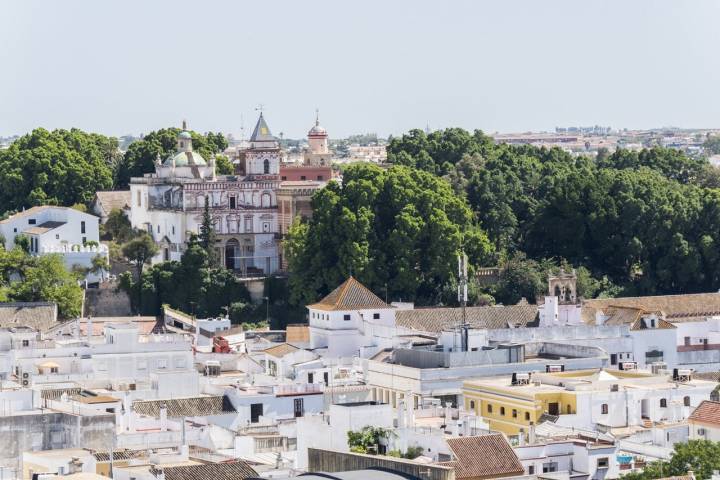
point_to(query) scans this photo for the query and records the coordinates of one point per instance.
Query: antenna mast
(462, 299)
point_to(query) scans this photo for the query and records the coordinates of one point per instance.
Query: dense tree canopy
(28, 278)
(397, 230)
(141, 155)
(62, 167)
(702, 457)
(648, 221)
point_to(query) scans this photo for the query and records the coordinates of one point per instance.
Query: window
(302, 177)
(346, 317)
(663, 402)
(84, 240)
(233, 203)
(82, 227)
(319, 177)
(531, 470)
(527, 416)
(550, 467)
(57, 236)
(139, 199)
(26, 343)
(256, 410)
(266, 227)
(266, 166)
(158, 228)
(489, 408)
(502, 411)
(53, 369)
(298, 407)
(283, 178)
(248, 225)
(514, 413)
(376, 316)
(161, 363)
(686, 401)
(472, 404)
(603, 462)
(604, 409)
(31, 221)
(568, 409)
(614, 358)
(173, 229)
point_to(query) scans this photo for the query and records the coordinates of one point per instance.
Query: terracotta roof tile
(707, 412)
(297, 333)
(185, 407)
(36, 315)
(210, 471)
(483, 457)
(281, 350)
(439, 319)
(676, 308)
(110, 200)
(350, 295)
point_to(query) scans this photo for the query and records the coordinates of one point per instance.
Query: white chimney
(521, 437)
(163, 419)
(531, 435)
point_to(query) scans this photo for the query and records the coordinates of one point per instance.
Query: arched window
(568, 295)
(527, 416)
(663, 402)
(604, 409)
(489, 408)
(557, 291)
(265, 200)
(266, 166)
(686, 401)
(502, 411)
(472, 404)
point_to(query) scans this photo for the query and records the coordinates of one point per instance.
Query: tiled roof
(120, 455)
(676, 308)
(43, 227)
(439, 319)
(185, 407)
(210, 471)
(350, 295)
(36, 315)
(56, 393)
(712, 376)
(281, 350)
(110, 200)
(707, 412)
(483, 456)
(297, 333)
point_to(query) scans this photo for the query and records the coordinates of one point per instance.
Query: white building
(351, 321)
(705, 422)
(169, 203)
(71, 233)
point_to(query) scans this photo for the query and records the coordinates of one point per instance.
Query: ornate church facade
(170, 202)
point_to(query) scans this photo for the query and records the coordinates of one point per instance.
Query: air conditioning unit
(684, 375)
(554, 368)
(520, 378)
(628, 366)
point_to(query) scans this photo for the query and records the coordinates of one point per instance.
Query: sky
(129, 66)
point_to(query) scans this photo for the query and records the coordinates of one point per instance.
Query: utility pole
(462, 299)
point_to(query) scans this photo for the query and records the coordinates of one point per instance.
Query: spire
(262, 131)
(317, 117)
(184, 125)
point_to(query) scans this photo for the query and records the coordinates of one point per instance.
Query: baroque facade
(170, 202)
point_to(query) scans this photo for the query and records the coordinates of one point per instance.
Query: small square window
(346, 317)
(57, 236)
(603, 462)
(376, 316)
(31, 221)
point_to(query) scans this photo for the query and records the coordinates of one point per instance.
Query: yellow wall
(529, 406)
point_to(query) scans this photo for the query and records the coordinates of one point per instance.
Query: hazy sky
(130, 66)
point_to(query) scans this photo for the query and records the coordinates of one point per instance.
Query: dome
(317, 130)
(184, 159)
(185, 134)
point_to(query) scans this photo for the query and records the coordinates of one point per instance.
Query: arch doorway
(231, 254)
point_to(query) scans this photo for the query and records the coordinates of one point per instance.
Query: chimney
(448, 412)
(163, 419)
(521, 437)
(531, 435)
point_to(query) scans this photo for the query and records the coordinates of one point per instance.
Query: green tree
(62, 167)
(367, 439)
(208, 235)
(397, 230)
(140, 251)
(118, 226)
(223, 165)
(701, 457)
